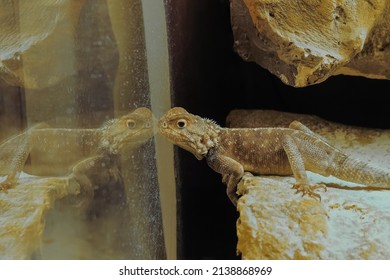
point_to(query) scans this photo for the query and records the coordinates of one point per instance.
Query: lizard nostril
(164, 125)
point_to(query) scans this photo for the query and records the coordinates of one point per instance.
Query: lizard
(267, 151)
(92, 162)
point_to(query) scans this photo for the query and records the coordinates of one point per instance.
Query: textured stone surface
(305, 42)
(22, 214)
(348, 223)
(275, 223)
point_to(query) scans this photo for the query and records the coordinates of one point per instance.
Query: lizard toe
(5, 186)
(309, 190)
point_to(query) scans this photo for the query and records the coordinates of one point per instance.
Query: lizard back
(258, 150)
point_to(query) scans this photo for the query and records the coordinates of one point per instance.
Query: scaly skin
(95, 161)
(267, 151)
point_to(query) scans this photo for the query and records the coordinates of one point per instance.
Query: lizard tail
(361, 172)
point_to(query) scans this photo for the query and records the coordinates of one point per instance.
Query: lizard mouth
(191, 148)
(181, 140)
(132, 139)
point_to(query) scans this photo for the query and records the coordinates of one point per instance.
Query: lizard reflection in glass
(88, 155)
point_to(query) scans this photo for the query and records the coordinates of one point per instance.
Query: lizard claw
(309, 190)
(115, 174)
(6, 185)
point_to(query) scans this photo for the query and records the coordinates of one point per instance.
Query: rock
(306, 42)
(275, 223)
(23, 210)
(350, 222)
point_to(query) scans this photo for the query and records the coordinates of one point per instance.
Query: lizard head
(130, 130)
(190, 132)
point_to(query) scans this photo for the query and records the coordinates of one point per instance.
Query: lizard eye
(130, 124)
(181, 123)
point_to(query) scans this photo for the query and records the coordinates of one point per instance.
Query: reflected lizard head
(128, 131)
(190, 132)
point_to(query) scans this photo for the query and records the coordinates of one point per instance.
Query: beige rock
(305, 42)
(22, 214)
(275, 223)
(350, 221)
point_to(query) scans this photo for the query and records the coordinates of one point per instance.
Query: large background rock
(305, 42)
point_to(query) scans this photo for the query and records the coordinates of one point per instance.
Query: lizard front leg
(14, 154)
(231, 170)
(9, 76)
(298, 168)
(95, 172)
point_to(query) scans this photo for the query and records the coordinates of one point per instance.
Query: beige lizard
(95, 165)
(266, 151)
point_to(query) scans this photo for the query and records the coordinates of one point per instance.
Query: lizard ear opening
(182, 123)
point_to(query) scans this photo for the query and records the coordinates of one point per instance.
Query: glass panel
(76, 93)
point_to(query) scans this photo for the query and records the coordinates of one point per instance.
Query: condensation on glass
(89, 185)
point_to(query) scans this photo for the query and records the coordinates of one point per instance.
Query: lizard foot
(225, 178)
(309, 189)
(4, 186)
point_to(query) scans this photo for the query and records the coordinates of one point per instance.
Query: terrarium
(86, 85)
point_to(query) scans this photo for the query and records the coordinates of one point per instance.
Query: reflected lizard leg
(81, 173)
(95, 172)
(14, 154)
(16, 162)
(9, 76)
